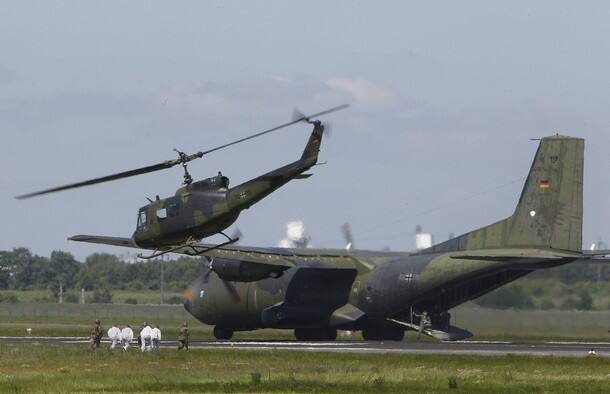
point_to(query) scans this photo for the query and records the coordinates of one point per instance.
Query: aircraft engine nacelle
(245, 271)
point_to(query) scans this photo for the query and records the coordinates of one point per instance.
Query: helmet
(97, 321)
(184, 324)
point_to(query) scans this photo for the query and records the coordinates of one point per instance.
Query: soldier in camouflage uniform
(424, 322)
(183, 338)
(97, 332)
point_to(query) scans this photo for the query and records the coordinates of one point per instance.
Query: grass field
(31, 368)
(118, 296)
(514, 325)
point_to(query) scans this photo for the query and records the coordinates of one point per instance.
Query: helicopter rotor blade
(297, 117)
(183, 158)
(125, 174)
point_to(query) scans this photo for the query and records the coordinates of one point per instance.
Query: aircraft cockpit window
(142, 219)
(161, 213)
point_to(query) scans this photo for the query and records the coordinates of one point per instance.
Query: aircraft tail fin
(549, 211)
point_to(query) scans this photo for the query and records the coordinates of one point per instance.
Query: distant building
(599, 245)
(129, 258)
(422, 240)
(295, 236)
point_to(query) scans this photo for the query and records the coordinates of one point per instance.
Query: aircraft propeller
(229, 286)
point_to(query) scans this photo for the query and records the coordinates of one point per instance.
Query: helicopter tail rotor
(298, 116)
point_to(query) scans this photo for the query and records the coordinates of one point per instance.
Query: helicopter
(203, 208)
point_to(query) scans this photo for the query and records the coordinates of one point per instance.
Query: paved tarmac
(479, 348)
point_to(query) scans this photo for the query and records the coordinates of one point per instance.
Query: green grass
(31, 368)
(118, 296)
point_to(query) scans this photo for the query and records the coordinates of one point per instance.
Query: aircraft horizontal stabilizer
(516, 255)
(303, 176)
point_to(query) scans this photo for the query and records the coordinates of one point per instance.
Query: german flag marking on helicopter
(544, 184)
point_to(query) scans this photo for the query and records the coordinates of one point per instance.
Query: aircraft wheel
(302, 334)
(223, 333)
(331, 334)
(371, 334)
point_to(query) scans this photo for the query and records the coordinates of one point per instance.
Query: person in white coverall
(126, 337)
(145, 334)
(114, 334)
(156, 338)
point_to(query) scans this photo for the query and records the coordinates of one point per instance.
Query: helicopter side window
(162, 213)
(142, 219)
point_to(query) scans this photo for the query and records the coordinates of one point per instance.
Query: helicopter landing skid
(190, 245)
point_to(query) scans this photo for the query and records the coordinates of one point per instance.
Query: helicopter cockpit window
(161, 213)
(142, 219)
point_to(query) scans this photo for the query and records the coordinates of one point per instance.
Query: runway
(476, 348)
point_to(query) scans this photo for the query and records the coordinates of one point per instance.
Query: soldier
(424, 322)
(183, 338)
(97, 332)
(155, 335)
(114, 333)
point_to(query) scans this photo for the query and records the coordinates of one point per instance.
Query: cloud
(275, 95)
(203, 98)
(363, 93)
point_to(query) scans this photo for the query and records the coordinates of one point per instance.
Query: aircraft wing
(269, 256)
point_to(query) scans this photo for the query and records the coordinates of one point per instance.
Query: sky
(445, 97)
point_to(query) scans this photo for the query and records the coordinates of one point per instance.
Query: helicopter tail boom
(254, 190)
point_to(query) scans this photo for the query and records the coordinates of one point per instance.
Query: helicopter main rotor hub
(183, 159)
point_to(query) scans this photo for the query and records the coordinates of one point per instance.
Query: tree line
(22, 270)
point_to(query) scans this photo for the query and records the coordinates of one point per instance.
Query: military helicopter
(207, 207)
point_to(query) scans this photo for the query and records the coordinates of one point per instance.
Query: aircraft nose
(193, 298)
(188, 299)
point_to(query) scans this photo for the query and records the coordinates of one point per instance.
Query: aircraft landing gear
(223, 333)
(315, 334)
